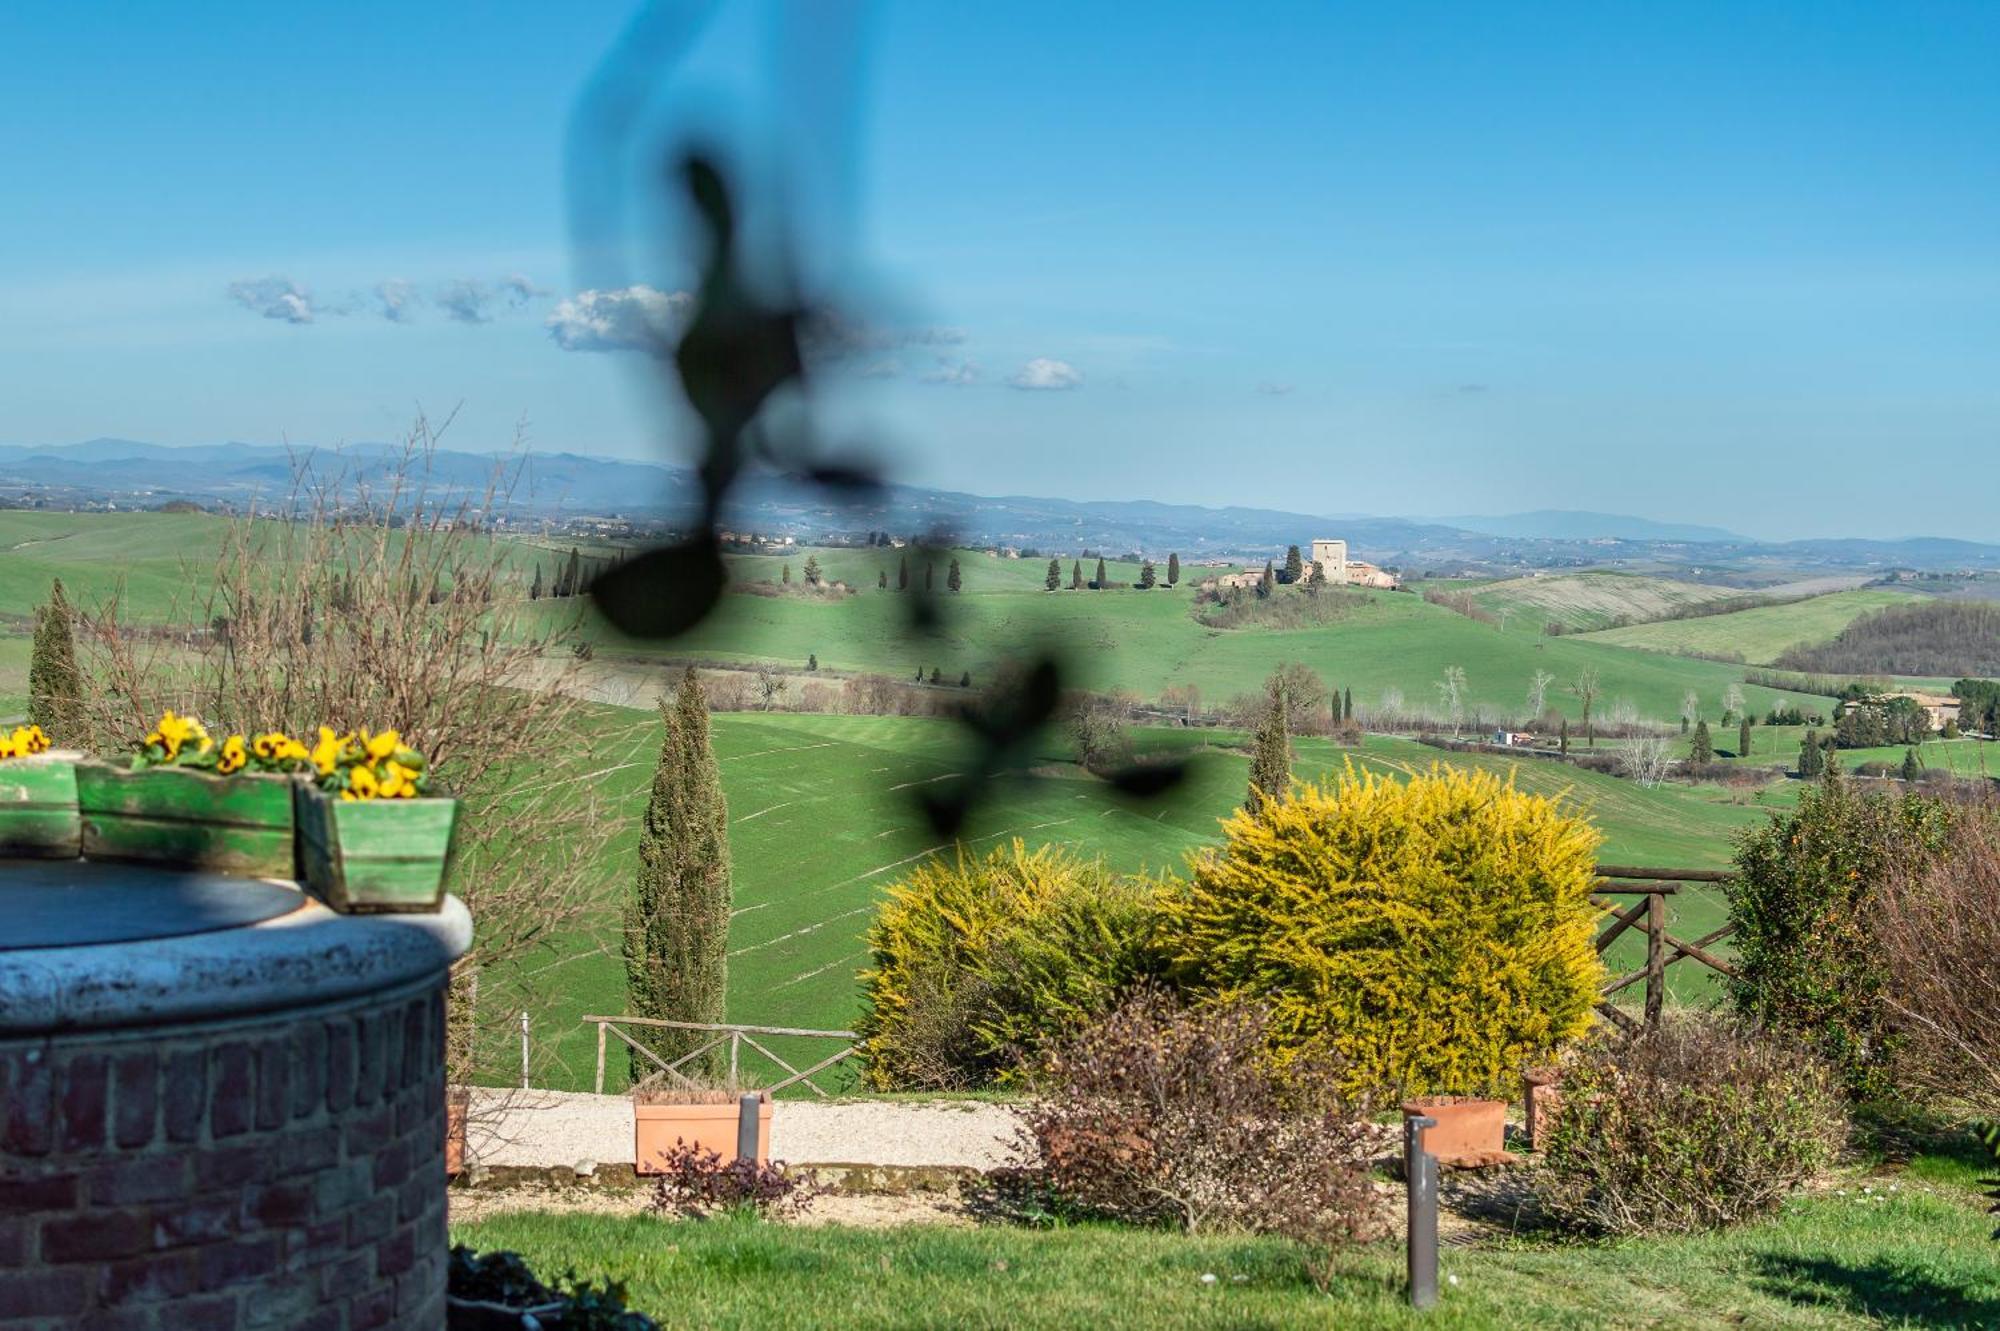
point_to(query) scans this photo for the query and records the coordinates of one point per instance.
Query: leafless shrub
(385, 604)
(1158, 1114)
(1936, 926)
(1645, 760)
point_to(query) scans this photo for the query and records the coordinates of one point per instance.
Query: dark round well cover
(69, 903)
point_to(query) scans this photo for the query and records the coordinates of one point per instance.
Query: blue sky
(1733, 264)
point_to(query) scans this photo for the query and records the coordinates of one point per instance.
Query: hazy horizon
(1719, 265)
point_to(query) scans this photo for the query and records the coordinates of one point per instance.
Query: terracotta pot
(1468, 1132)
(1541, 1100)
(454, 1135)
(657, 1128)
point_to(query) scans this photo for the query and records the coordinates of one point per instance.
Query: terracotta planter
(658, 1128)
(1541, 1100)
(454, 1133)
(238, 824)
(363, 856)
(38, 813)
(1468, 1131)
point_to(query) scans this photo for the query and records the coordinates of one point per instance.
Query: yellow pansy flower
(361, 783)
(233, 756)
(381, 746)
(326, 753)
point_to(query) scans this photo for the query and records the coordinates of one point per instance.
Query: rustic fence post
(524, 1049)
(1420, 1170)
(1656, 957)
(600, 1058)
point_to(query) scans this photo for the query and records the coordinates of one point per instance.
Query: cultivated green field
(821, 821)
(1760, 636)
(1580, 601)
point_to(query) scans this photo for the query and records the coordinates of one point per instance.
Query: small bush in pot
(1694, 1125)
(1164, 1115)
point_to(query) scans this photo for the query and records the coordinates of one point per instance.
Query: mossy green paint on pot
(163, 815)
(38, 812)
(375, 855)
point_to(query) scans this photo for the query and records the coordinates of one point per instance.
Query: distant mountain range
(567, 488)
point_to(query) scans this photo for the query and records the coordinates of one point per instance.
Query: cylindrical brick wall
(287, 1172)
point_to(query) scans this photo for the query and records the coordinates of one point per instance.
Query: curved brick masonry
(242, 1128)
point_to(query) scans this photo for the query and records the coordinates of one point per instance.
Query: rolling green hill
(1580, 601)
(1759, 636)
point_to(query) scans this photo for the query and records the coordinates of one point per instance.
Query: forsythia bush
(980, 962)
(1435, 935)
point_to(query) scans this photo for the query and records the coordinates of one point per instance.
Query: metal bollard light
(747, 1106)
(1421, 1170)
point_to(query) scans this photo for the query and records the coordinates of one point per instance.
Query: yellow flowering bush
(363, 766)
(1433, 935)
(23, 742)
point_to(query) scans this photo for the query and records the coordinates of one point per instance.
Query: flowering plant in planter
(38, 817)
(187, 800)
(373, 836)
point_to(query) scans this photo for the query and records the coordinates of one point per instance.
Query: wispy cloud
(1046, 375)
(466, 300)
(887, 368)
(632, 318)
(952, 373)
(274, 297)
(396, 300)
(1272, 388)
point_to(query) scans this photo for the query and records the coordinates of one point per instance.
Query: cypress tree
(1562, 736)
(785, 575)
(813, 574)
(1076, 576)
(1701, 751)
(1809, 755)
(952, 581)
(1347, 705)
(1743, 737)
(1268, 583)
(930, 576)
(1911, 768)
(882, 580)
(677, 918)
(965, 680)
(1102, 580)
(902, 573)
(55, 687)
(937, 676)
(573, 575)
(535, 587)
(1147, 578)
(1294, 566)
(812, 660)
(1271, 753)
(1173, 568)
(1054, 579)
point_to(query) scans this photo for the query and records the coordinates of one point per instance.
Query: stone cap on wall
(195, 947)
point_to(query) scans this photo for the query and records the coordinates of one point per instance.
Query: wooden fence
(1649, 915)
(736, 1037)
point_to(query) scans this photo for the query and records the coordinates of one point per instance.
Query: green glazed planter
(38, 815)
(238, 824)
(375, 855)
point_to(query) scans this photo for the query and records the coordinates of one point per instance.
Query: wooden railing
(735, 1036)
(1649, 915)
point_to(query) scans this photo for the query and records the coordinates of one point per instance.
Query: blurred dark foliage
(744, 343)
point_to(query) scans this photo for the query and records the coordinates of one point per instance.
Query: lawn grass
(1844, 1257)
(1759, 636)
(821, 821)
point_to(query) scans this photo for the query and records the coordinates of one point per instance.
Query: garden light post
(1421, 1171)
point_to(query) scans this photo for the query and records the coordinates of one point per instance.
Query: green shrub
(1435, 936)
(1800, 901)
(1693, 1125)
(979, 962)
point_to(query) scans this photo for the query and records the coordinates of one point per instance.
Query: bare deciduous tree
(1645, 759)
(1451, 693)
(1585, 686)
(1538, 691)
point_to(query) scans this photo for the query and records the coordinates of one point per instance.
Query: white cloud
(274, 297)
(882, 369)
(519, 290)
(1044, 374)
(397, 299)
(1271, 388)
(629, 319)
(466, 300)
(953, 373)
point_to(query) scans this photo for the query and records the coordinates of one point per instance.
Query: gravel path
(565, 1128)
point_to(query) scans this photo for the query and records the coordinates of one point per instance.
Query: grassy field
(821, 821)
(1920, 1255)
(1581, 601)
(1760, 635)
